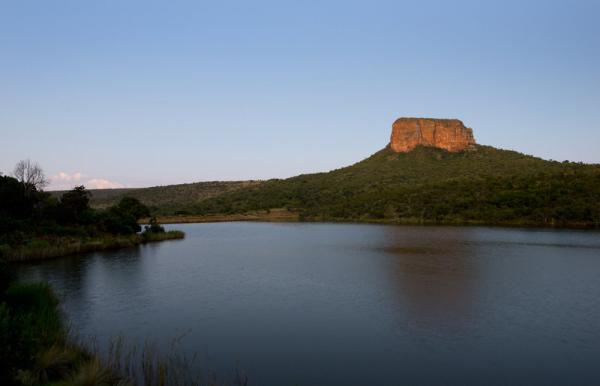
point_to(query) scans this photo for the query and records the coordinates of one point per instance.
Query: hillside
(166, 199)
(431, 185)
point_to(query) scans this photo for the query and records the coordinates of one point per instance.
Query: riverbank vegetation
(36, 348)
(35, 224)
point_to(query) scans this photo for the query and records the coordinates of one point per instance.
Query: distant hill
(431, 185)
(166, 199)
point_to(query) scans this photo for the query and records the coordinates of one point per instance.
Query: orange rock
(449, 134)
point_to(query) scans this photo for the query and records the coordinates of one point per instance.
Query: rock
(449, 134)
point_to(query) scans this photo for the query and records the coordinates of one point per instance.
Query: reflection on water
(352, 304)
(436, 276)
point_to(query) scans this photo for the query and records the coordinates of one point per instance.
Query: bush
(154, 227)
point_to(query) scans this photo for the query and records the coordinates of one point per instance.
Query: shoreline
(273, 215)
(282, 215)
(76, 246)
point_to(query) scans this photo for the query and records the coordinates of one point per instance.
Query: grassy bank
(282, 215)
(34, 348)
(274, 215)
(46, 248)
(37, 348)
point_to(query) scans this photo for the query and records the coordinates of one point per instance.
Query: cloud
(66, 177)
(66, 181)
(62, 180)
(100, 183)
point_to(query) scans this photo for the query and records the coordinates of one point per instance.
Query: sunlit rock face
(449, 134)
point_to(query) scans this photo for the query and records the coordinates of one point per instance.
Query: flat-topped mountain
(431, 172)
(448, 134)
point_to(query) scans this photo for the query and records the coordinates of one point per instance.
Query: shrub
(154, 226)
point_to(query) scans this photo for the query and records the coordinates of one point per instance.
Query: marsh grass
(161, 236)
(146, 365)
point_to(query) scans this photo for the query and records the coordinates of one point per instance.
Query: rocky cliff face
(449, 134)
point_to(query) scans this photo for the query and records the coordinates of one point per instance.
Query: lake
(351, 304)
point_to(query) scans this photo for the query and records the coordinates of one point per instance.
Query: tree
(133, 207)
(73, 204)
(30, 174)
(123, 217)
(14, 203)
(116, 221)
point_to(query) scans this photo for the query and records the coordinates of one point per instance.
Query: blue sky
(140, 93)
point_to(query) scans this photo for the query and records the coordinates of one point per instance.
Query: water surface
(340, 304)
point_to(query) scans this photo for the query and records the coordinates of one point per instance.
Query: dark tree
(73, 205)
(123, 217)
(133, 207)
(13, 202)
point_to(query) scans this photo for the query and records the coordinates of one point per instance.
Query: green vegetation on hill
(482, 185)
(428, 185)
(167, 199)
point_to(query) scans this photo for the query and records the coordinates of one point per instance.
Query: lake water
(346, 304)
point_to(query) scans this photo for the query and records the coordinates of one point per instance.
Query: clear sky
(140, 93)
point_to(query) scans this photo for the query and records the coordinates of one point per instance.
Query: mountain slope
(482, 185)
(167, 199)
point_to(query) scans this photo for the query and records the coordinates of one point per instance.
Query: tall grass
(146, 365)
(36, 349)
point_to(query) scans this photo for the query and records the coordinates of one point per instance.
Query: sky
(141, 93)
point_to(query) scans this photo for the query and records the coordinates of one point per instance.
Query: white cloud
(100, 183)
(66, 181)
(63, 181)
(66, 177)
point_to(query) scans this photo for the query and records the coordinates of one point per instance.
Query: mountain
(432, 171)
(448, 134)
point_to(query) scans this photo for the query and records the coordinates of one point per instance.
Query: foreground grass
(36, 348)
(33, 342)
(39, 249)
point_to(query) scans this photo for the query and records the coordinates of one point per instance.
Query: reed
(37, 349)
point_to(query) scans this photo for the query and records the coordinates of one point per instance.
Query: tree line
(27, 211)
